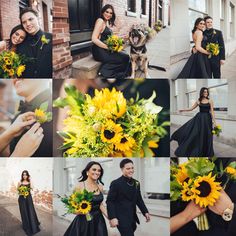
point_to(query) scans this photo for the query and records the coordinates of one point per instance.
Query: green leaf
(44, 106)
(60, 102)
(63, 134)
(65, 146)
(49, 116)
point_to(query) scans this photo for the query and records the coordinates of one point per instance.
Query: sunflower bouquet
(41, 113)
(158, 26)
(217, 130)
(230, 171)
(195, 180)
(79, 203)
(11, 64)
(114, 43)
(108, 125)
(213, 48)
(23, 191)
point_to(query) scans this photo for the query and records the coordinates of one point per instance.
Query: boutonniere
(137, 183)
(214, 32)
(44, 40)
(41, 113)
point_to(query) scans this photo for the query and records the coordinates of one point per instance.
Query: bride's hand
(21, 122)
(114, 222)
(29, 142)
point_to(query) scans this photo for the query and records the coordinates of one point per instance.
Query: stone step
(85, 68)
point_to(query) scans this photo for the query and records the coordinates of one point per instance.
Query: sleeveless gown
(96, 227)
(195, 137)
(114, 64)
(30, 223)
(198, 65)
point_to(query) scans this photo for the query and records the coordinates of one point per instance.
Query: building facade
(74, 22)
(224, 19)
(222, 92)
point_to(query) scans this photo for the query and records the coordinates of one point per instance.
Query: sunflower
(230, 170)
(40, 115)
(206, 190)
(182, 175)
(20, 70)
(111, 132)
(187, 194)
(84, 207)
(126, 143)
(109, 103)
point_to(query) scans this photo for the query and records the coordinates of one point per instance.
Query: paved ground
(220, 149)
(10, 220)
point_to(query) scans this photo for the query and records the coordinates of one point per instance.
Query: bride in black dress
(195, 138)
(114, 64)
(198, 65)
(30, 223)
(91, 180)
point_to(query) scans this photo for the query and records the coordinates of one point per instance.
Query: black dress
(30, 223)
(195, 137)
(114, 64)
(197, 66)
(96, 227)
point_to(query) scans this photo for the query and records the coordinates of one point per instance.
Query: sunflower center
(123, 140)
(84, 205)
(204, 188)
(109, 134)
(186, 180)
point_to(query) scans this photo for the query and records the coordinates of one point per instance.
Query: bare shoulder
(100, 186)
(99, 21)
(79, 186)
(3, 45)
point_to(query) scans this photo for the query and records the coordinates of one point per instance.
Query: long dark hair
(197, 21)
(113, 18)
(18, 27)
(201, 93)
(28, 175)
(84, 176)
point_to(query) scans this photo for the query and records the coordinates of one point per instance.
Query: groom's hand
(147, 216)
(222, 62)
(114, 222)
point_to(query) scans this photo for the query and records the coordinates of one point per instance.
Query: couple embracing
(208, 53)
(29, 40)
(123, 197)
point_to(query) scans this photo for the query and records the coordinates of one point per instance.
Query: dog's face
(138, 36)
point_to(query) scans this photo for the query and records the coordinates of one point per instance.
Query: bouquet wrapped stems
(203, 223)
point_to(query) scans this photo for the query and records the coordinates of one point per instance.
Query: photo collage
(117, 117)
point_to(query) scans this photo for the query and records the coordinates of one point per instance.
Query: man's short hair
(28, 9)
(124, 162)
(207, 18)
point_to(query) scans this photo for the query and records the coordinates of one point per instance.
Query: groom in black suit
(123, 196)
(215, 36)
(37, 46)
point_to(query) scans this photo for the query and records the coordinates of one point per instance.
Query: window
(231, 19)
(222, 15)
(191, 91)
(191, 98)
(23, 3)
(70, 178)
(219, 94)
(82, 17)
(191, 85)
(143, 7)
(131, 5)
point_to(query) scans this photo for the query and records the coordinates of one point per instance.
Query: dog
(138, 37)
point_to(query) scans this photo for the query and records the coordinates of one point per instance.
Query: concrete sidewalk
(229, 68)
(220, 149)
(10, 219)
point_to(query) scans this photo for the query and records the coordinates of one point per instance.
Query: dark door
(82, 17)
(23, 4)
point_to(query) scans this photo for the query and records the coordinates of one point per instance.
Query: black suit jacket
(39, 55)
(216, 36)
(45, 148)
(122, 200)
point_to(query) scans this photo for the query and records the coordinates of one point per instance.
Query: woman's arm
(212, 112)
(190, 109)
(191, 211)
(3, 45)
(102, 207)
(199, 37)
(98, 29)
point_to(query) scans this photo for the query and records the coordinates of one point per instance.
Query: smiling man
(37, 46)
(123, 196)
(34, 93)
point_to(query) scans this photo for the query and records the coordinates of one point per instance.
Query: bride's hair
(84, 176)
(113, 18)
(197, 21)
(18, 27)
(28, 175)
(201, 93)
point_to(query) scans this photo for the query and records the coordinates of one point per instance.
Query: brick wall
(62, 59)
(9, 16)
